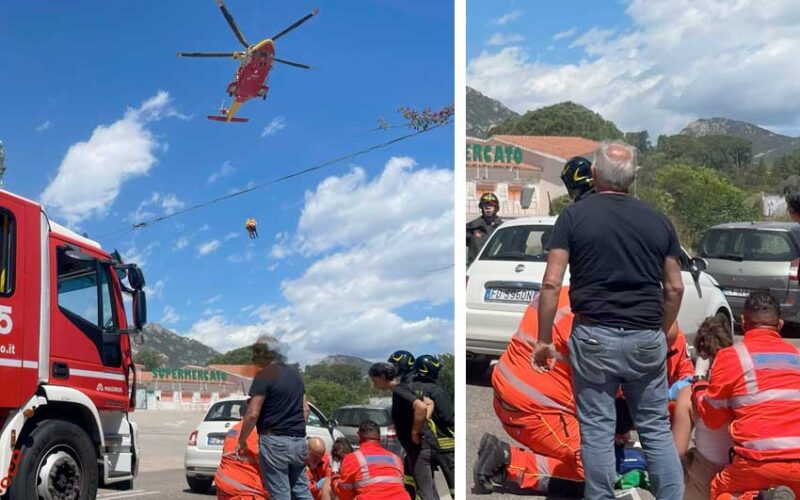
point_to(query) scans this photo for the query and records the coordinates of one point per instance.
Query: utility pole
(2, 162)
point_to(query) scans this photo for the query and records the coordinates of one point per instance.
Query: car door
(694, 305)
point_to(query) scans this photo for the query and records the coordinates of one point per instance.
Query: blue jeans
(283, 462)
(603, 359)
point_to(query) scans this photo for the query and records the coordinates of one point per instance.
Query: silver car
(348, 418)
(746, 256)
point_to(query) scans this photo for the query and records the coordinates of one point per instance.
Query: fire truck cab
(67, 376)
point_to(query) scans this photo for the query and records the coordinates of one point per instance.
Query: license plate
(216, 441)
(516, 295)
(737, 292)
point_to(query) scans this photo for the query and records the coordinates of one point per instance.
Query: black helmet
(487, 198)
(427, 366)
(403, 361)
(577, 176)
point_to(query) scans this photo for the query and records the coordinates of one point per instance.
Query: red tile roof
(560, 146)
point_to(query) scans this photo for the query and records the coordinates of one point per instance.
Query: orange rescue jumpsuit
(755, 387)
(538, 409)
(370, 473)
(317, 475)
(239, 478)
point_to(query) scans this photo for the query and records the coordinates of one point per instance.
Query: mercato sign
(186, 374)
(480, 153)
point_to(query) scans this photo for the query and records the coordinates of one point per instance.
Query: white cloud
(225, 170)
(677, 62)
(283, 248)
(213, 300)
(208, 247)
(92, 172)
(137, 255)
(180, 243)
(504, 39)
(232, 235)
(43, 126)
(565, 34)
(247, 256)
(170, 316)
(277, 124)
(156, 291)
(156, 205)
(507, 18)
(368, 269)
(212, 311)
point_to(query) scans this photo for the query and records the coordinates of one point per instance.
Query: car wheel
(723, 317)
(478, 369)
(199, 484)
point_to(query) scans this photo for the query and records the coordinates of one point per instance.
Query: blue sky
(105, 125)
(645, 65)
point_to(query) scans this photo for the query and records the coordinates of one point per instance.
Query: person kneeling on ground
(753, 385)
(238, 476)
(318, 469)
(371, 472)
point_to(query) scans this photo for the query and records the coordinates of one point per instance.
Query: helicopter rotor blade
(232, 23)
(290, 63)
(206, 54)
(296, 24)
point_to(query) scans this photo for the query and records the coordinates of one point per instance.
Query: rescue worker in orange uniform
(239, 477)
(371, 472)
(318, 469)
(252, 228)
(753, 386)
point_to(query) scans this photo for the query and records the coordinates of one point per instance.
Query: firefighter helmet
(403, 361)
(577, 176)
(427, 366)
(489, 198)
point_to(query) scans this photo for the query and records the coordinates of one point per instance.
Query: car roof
(529, 221)
(776, 225)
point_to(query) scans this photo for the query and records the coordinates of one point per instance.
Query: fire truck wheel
(199, 484)
(58, 462)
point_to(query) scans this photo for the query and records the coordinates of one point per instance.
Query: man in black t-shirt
(278, 409)
(625, 291)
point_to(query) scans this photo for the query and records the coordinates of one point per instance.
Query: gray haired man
(625, 291)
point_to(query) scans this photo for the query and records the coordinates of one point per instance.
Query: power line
(283, 178)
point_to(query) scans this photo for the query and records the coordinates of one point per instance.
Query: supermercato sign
(185, 374)
(486, 153)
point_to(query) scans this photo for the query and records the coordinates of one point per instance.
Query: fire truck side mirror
(139, 309)
(136, 278)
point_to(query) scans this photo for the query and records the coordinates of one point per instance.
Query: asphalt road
(480, 419)
(163, 437)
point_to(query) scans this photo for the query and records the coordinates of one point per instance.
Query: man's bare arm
(420, 417)
(557, 262)
(673, 293)
(250, 419)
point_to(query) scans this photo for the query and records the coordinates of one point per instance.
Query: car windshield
(226, 411)
(748, 244)
(352, 417)
(523, 243)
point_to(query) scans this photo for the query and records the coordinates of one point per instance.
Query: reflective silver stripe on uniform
(377, 480)
(747, 367)
(715, 403)
(776, 443)
(543, 471)
(362, 462)
(235, 483)
(764, 396)
(386, 459)
(527, 389)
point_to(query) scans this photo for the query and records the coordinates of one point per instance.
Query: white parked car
(204, 450)
(509, 271)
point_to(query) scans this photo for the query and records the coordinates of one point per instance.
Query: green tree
(149, 358)
(641, 140)
(696, 198)
(346, 375)
(559, 204)
(566, 118)
(328, 396)
(240, 356)
(447, 377)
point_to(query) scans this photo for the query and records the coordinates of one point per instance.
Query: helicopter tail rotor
(296, 24)
(232, 23)
(208, 54)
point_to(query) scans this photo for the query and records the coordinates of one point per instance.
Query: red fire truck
(67, 379)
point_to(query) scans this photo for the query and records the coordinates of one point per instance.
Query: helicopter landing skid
(226, 119)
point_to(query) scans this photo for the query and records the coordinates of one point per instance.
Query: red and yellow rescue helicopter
(255, 63)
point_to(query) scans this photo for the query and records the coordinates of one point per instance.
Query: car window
(347, 416)
(748, 244)
(226, 411)
(314, 418)
(380, 417)
(523, 243)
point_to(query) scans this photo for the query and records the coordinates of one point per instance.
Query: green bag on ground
(633, 479)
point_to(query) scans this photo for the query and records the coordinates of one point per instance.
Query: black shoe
(489, 470)
(777, 493)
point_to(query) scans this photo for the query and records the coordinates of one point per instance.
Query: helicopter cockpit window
(7, 253)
